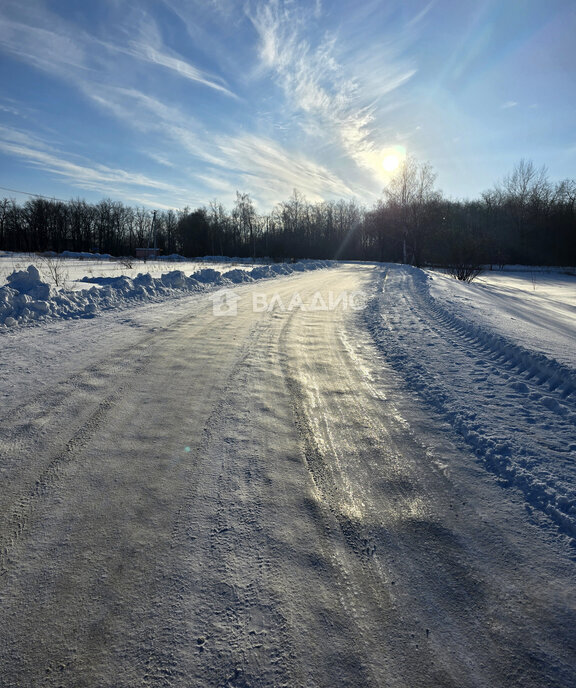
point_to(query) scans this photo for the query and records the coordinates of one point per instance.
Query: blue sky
(174, 103)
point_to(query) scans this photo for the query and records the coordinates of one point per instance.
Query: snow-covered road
(287, 497)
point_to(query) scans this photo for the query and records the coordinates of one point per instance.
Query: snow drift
(26, 298)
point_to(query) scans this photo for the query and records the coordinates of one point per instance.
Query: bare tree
(245, 221)
(408, 196)
(54, 267)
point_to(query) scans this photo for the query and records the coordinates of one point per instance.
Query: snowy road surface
(377, 497)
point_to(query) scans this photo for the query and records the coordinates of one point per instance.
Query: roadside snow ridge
(516, 408)
(26, 298)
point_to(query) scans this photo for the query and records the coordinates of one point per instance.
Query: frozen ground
(293, 496)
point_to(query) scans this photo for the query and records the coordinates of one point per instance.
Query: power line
(34, 195)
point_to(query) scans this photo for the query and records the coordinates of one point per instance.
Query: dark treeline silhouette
(523, 219)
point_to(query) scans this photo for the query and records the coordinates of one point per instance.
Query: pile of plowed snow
(514, 406)
(26, 298)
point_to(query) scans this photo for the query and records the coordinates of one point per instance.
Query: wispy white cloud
(329, 95)
(47, 49)
(508, 104)
(216, 184)
(420, 16)
(81, 173)
(240, 161)
(268, 166)
(245, 160)
(73, 54)
(178, 66)
(323, 95)
(160, 159)
(152, 114)
(10, 109)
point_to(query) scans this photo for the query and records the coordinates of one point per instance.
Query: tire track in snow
(131, 482)
(15, 527)
(356, 541)
(425, 582)
(335, 524)
(225, 566)
(250, 636)
(27, 429)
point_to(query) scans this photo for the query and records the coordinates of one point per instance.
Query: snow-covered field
(332, 491)
(536, 308)
(73, 267)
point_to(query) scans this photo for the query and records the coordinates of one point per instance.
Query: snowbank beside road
(27, 298)
(511, 403)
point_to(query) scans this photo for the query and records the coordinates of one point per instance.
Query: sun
(391, 162)
(392, 158)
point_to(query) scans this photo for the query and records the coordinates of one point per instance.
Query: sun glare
(391, 162)
(392, 157)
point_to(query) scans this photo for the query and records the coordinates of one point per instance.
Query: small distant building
(146, 253)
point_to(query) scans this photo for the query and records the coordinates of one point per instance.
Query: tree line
(524, 219)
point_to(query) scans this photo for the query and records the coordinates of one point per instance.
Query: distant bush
(465, 272)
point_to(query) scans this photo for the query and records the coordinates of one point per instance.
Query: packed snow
(308, 497)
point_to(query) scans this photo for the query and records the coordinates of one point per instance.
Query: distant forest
(524, 219)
